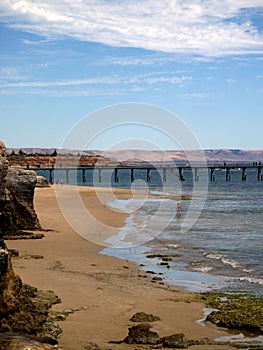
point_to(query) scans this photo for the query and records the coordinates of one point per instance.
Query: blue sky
(200, 59)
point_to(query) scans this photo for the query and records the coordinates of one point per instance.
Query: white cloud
(171, 80)
(144, 80)
(206, 27)
(61, 83)
(196, 95)
(12, 73)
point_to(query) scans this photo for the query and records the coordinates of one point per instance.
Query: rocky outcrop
(23, 309)
(42, 182)
(141, 334)
(16, 198)
(11, 341)
(10, 284)
(143, 317)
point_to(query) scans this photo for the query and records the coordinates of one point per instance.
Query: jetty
(178, 170)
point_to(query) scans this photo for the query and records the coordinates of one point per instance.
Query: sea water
(222, 250)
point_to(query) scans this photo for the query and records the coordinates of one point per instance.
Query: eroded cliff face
(16, 198)
(23, 309)
(10, 284)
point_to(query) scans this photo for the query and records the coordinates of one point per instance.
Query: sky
(62, 60)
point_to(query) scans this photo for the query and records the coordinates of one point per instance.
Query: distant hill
(212, 155)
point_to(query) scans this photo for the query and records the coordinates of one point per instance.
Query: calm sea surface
(221, 249)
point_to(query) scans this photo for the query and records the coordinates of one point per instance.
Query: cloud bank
(200, 27)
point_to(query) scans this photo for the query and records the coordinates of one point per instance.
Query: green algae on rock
(243, 311)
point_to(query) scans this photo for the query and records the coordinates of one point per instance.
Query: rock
(42, 182)
(13, 253)
(236, 311)
(157, 279)
(141, 334)
(23, 308)
(16, 198)
(21, 185)
(13, 341)
(29, 313)
(177, 341)
(10, 285)
(143, 317)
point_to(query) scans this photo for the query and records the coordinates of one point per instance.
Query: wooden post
(100, 176)
(259, 173)
(228, 176)
(148, 179)
(196, 174)
(164, 174)
(116, 177)
(50, 177)
(84, 175)
(181, 174)
(132, 174)
(67, 177)
(244, 176)
(212, 175)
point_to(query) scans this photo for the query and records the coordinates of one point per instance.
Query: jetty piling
(132, 174)
(148, 176)
(100, 176)
(181, 174)
(116, 175)
(212, 175)
(164, 174)
(196, 174)
(260, 173)
(244, 176)
(228, 175)
(84, 176)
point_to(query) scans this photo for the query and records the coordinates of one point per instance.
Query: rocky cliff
(16, 198)
(23, 309)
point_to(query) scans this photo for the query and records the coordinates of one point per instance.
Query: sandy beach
(108, 291)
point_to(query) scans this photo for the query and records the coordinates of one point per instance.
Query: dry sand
(111, 290)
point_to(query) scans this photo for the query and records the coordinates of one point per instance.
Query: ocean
(216, 243)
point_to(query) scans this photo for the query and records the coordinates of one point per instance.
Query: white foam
(251, 280)
(204, 269)
(235, 264)
(216, 256)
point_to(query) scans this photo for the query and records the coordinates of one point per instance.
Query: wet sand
(107, 290)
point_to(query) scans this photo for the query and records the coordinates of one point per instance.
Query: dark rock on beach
(141, 334)
(143, 317)
(177, 341)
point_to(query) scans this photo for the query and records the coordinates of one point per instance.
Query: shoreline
(108, 290)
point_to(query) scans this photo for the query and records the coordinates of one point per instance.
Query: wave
(203, 269)
(251, 280)
(233, 263)
(216, 256)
